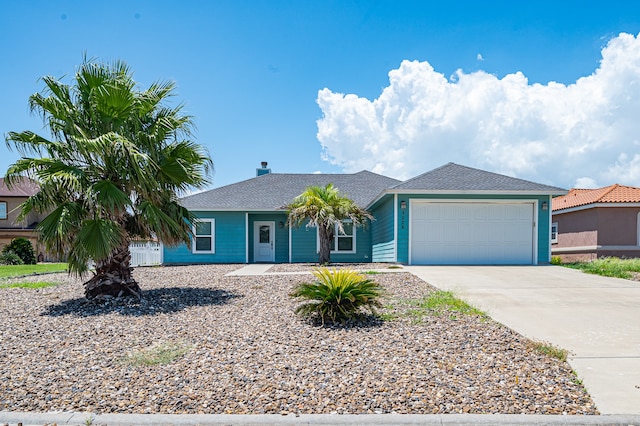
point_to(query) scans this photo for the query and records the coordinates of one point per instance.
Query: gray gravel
(247, 352)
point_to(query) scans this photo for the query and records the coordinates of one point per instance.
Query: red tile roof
(26, 188)
(609, 194)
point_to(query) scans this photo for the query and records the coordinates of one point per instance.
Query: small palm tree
(112, 171)
(337, 295)
(325, 208)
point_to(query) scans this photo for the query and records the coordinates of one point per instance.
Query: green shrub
(10, 258)
(556, 260)
(23, 248)
(337, 295)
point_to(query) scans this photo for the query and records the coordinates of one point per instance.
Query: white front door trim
(264, 241)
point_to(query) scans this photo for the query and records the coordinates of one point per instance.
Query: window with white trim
(3, 209)
(204, 236)
(344, 241)
(554, 233)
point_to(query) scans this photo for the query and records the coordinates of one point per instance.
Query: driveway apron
(596, 318)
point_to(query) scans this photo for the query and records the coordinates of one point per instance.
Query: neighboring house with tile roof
(10, 200)
(450, 215)
(592, 223)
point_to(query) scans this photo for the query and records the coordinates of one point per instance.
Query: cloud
(587, 132)
(479, 57)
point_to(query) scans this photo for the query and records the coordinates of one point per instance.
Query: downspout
(550, 224)
(289, 242)
(246, 237)
(395, 227)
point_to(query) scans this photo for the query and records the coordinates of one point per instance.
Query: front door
(263, 241)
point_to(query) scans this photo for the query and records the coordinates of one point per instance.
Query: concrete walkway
(596, 318)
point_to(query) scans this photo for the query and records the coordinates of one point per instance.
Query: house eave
(461, 192)
(240, 210)
(593, 206)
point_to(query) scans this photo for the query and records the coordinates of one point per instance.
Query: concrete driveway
(596, 318)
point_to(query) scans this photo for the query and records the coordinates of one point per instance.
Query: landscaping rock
(247, 352)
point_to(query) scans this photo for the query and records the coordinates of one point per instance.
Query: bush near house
(23, 249)
(10, 258)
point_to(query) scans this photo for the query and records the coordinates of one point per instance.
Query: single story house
(592, 223)
(450, 215)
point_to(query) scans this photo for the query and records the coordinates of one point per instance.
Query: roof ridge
(608, 191)
(427, 172)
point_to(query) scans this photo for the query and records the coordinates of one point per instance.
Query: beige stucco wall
(604, 227)
(13, 211)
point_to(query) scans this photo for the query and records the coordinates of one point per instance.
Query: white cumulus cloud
(584, 133)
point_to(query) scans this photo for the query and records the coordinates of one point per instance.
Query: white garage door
(471, 233)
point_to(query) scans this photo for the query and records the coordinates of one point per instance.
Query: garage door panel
(471, 233)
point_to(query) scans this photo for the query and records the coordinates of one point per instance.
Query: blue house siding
(382, 232)
(281, 234)
(543, 225)
(230, 236)
(304, 246)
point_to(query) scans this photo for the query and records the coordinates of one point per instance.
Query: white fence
(145, 253)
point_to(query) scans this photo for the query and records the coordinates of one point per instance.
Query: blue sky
(252, 74)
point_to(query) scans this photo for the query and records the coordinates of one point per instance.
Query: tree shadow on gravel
(156, 301)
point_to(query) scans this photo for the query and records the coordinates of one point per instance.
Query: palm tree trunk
(326, 238)
(113, 277)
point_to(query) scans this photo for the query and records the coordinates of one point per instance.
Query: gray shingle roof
(274, 190)
(454, 177)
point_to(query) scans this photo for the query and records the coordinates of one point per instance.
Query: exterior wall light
(545, 205)
(403, 205)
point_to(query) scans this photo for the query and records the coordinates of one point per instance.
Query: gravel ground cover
(239, 348)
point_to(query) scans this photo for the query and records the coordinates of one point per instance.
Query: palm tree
(325, 208)
(116, 162)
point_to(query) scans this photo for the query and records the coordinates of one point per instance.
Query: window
(344, 241)
(554, 233)
(3, 209)
(204, 239)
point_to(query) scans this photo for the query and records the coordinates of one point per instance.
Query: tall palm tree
(116, 162)
(325, 208)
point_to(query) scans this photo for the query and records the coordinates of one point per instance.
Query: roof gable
(274, 190)
(23, 188)
(609, 194)
(456, 178)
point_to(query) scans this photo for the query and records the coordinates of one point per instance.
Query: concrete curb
(74, 418)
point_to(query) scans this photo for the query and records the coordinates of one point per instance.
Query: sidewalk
(78, 419)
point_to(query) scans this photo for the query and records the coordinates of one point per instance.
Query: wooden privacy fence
(145, 253)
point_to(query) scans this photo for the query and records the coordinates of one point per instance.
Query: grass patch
(394, 267)
(575, 379)
(22, 270)
(550, 350)
(440, 301)
(36, 284)
(160, 354)
(437, 303)
(608, 267)
(371, 272)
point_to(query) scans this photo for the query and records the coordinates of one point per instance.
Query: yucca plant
(337, 295)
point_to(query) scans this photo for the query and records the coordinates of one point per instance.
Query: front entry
(264, 241)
